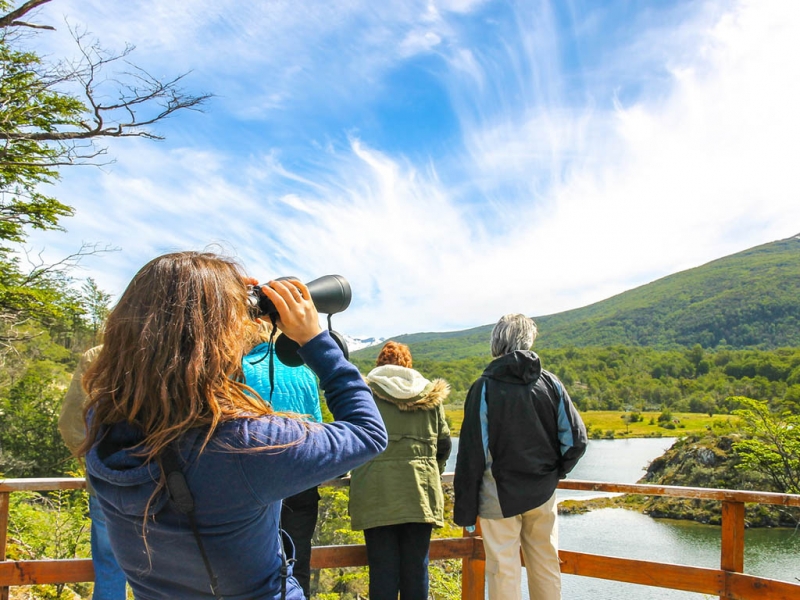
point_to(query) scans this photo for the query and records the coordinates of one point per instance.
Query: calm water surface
(773, 553)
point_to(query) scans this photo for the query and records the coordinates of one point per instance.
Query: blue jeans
(109, 580)
(398, 561)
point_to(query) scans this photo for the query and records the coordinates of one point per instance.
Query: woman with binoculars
(188, 463)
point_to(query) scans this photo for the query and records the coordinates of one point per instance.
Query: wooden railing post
(473, 571)
(732, 551)
(4, 500)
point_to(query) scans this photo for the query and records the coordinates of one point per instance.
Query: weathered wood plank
(739, 586)
(355, 555)
(332, 557)
(473, 579)
(68, 483)
(678, 577)
(729, 582)
(732, 555)
(473, 570)
(42, 484)
(732, 586)
(683, 492)
(33, 572)
(4, 502)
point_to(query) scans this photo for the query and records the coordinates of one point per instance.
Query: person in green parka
(397, 498)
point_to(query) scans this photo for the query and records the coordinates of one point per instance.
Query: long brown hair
(172, 352)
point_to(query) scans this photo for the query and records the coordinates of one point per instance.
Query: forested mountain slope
(748, 299)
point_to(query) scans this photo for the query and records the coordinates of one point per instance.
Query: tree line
(641, 378)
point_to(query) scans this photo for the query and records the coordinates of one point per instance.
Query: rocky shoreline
(696, 461)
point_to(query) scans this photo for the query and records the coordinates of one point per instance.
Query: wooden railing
(728, 582)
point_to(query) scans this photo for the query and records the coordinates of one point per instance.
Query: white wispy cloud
(571, 176)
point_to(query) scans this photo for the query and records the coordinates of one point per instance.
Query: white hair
(513, 332)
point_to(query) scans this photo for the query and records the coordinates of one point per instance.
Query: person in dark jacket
(167, 391)
(292, 390)
(520, 435)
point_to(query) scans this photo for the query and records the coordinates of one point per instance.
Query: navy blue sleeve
(297, 455)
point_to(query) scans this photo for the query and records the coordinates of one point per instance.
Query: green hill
(748, 299)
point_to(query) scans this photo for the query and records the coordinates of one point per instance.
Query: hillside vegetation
(747, 300)
(640, 379)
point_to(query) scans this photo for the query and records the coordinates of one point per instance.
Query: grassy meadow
(610, 424)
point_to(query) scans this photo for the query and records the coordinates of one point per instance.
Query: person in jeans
(109, 580)
(294, 390)
(520, 435)
(397, 498)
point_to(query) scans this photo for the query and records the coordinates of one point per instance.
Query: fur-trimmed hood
(406, 388)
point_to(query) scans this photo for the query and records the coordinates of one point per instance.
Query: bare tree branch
(10, 20)
(32, 26)
(136, 91)
(40, 269)
(126, 104)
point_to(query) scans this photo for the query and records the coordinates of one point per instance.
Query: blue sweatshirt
(237, 491)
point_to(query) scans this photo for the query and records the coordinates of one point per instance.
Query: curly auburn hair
(394, 353)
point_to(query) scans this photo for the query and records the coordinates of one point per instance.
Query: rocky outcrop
(709, 461)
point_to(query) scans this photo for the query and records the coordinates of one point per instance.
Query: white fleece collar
(399, 382)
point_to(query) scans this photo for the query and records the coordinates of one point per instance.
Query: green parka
(403, 484)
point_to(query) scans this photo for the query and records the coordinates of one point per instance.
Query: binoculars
(331, 294)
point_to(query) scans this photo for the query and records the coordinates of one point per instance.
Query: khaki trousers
(536, 533)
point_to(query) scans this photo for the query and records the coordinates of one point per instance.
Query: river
(773, 553)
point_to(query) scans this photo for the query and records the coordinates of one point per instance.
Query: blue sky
(456, 160)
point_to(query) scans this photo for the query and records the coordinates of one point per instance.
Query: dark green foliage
(29, 102)
(772, 446)
(637, 379)
(33, 380)
(43, 295)
(30, 444)
(50, 526)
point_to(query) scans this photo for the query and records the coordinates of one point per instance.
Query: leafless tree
(124, 103)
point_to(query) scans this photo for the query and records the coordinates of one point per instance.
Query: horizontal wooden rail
(330, 557)
(41, 572)
(677, 577)
(727, 582)
(36, 572)
(42, 484)
(682, 492)
(74, 483)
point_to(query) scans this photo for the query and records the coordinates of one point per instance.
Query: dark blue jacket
(237, 491)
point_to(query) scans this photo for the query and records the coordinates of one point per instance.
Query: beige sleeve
(70, 420)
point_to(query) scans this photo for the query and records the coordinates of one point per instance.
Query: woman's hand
(297, 315)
